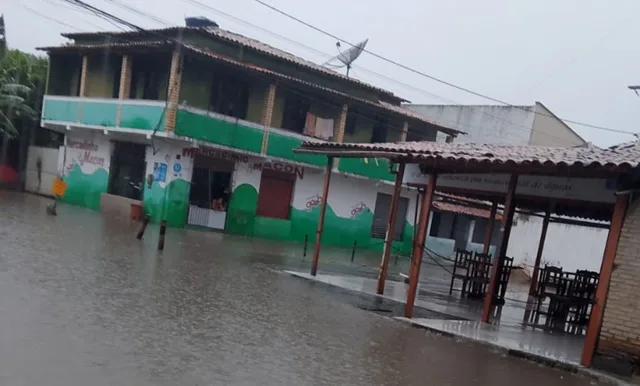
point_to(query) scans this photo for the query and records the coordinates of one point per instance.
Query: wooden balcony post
(405, 131)
(391, 224)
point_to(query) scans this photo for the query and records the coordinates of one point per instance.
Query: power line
(50, 2)
(138, 12)
(84, 5)
(49, 18)
(424, 92)
(423, 74)
(391, 128)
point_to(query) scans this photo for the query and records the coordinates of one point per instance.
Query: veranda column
(323, 209)
(489, 231)
(501, 252)
(536, 265)
(173, 91)
(418, 245)
(610, 250)
(391, 224)
(267, 115)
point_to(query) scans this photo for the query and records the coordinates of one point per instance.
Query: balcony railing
(198, 124)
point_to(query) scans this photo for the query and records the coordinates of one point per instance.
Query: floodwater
(84, 303)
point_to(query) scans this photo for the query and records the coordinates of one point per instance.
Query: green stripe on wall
(218, 131)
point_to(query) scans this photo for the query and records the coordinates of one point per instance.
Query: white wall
(49, 157)
(483, 124)
(568, 246)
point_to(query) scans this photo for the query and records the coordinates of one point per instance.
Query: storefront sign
(82, 145)
(281, 167)
(214, 153)
(84, 152)
(582, 189)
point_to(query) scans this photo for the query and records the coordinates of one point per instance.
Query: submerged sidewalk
(461, 319)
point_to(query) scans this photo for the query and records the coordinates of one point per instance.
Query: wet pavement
(84, 303)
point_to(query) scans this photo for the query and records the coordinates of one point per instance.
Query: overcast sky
(576, 57)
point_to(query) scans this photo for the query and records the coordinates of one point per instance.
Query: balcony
(197, 124)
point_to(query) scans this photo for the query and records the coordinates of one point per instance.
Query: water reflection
(85, 303)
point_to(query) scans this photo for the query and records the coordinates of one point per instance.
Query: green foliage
(22, 81)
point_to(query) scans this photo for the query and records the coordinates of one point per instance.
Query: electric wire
(436, 79)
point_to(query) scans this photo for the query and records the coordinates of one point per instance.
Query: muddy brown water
(82, 302)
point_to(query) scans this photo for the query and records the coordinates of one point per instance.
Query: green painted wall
(133, 116)
(172, 201)
(85, 189)
(338, 231)
(218, 131)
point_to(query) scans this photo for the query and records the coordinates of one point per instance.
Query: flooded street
(84, 303)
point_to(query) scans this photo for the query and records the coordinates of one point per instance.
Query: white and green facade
(173, 104)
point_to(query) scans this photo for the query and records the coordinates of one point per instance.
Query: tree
(22, 79)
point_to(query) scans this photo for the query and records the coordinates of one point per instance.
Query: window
(229, 95)
(380, 130)
(294, 116)
(381, 216)
(350, 125)
(276, 191)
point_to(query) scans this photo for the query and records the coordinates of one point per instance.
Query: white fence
(41, 184)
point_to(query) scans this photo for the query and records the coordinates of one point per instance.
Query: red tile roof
(619, 160)
(238, 39)
(388, 107)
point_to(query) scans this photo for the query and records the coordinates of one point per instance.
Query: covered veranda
(589, 183)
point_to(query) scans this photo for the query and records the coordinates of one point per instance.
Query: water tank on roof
(200, 22)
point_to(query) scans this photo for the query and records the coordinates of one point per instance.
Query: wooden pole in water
(143, 227)
(418, 245)
(163, 229)
(323, 208)
(501, 251)
(391, 224)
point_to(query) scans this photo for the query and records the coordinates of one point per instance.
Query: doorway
(126, 175)
(210, 192)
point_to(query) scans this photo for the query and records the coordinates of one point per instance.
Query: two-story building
(199, 125)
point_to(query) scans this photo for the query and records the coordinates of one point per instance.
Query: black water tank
(199, 22)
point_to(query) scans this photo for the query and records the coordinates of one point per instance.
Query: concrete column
(173, 91)
(405, 131)
(125, 85)
(339, 130)
(267, 115)
(83, 76)
(83, 84)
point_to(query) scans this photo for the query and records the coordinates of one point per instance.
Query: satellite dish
(346, 58)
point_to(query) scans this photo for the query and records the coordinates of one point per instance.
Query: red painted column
(418, 245)
(391, 224)
(323, 209)
(501, 252)
(610, 249)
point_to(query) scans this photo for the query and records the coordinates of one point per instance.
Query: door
(381, 216)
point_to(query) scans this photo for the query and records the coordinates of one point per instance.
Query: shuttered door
(381, 216)
(276, 191)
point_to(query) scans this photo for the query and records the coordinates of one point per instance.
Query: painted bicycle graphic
(358, 209)
(313, 202)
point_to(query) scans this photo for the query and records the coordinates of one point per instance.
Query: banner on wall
(581, 189)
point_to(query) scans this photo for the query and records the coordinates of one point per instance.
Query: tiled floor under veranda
(507, 331)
